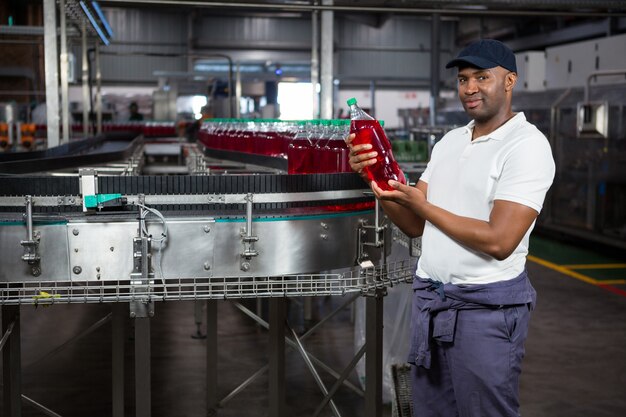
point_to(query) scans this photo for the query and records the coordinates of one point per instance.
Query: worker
(135, 116)
(474, 206)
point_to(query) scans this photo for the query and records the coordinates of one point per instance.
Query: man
(135, 116)
(474, 206)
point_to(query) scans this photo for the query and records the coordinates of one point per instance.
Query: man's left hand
(405, 195)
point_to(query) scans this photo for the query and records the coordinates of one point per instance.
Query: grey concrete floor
(575, 362)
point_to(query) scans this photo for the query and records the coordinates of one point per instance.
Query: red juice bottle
(368, 130)
(299, 150)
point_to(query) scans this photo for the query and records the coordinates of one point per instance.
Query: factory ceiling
(448, 7)
(524, 24)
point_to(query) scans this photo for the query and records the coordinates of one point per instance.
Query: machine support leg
(197, 316)
(277, 394)
(11, 362)
(117, 357)
(211, 358)
(374, 355)
(142, 367)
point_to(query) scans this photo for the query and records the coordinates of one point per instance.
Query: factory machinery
(95, 221)
(586, 127)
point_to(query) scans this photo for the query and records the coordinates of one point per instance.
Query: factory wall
(396, 49)
(146, 41)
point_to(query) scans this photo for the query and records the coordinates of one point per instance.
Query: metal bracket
(88, 184)
(246, 236)
(379, 237)
(372, 275)
(141, 279)
(31, 243)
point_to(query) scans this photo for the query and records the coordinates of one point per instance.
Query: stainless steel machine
(84, 225)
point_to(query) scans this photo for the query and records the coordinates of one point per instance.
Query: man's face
(483, 92)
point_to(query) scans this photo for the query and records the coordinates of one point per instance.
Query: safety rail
(363, 280)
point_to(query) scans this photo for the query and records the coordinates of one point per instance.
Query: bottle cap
(351, 101)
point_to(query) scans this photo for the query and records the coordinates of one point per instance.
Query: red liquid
(299, 157)
(273, 144)
(386, 168)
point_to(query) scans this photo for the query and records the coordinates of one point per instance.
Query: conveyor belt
(188, 186)
(95, 150)
(202, 184)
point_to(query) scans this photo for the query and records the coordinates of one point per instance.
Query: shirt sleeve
(527, 173)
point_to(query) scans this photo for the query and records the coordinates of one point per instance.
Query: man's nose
(471, 86)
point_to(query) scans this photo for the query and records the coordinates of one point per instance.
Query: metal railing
(356, 280)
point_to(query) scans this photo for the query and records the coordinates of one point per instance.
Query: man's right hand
(359, 157)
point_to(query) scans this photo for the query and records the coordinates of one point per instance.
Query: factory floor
(575, 363)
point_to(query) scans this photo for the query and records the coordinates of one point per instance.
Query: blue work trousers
(476, 374)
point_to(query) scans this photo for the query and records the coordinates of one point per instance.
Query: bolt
(111, 248)
(245, 266)
(207, 266)
(36, 271)
(75, 249)
(59, 201)
(77, 270)
(132, 315)
(97, 276)
(324, 237)
(207, 229)
(151, 313)
(75, 232)
(98, 269)
(324, 225)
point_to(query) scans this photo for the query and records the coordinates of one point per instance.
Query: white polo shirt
(464, 177)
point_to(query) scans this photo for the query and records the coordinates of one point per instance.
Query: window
(295, 100)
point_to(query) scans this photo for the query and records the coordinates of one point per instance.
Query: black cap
(486, 53)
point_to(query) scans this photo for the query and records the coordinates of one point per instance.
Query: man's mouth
(473, 103)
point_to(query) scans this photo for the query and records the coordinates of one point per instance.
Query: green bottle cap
(351, 101)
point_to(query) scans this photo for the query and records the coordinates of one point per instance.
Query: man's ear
(510, 80)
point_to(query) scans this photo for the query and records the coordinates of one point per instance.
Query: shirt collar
(500, 133)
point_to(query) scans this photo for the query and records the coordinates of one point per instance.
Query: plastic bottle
(298, 149)
(368, 130)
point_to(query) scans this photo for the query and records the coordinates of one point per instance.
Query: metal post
(11, 362)
(85, 81)
(373, 96)
(65, 103)
(434, 67)
(277, 358)
(117, 358)
(98, 91)
(142, 367)
(326, 111)
(238, 90)
(141, 309)
(315, 62)
(52, 71)
(374, 355)
(211, 358)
